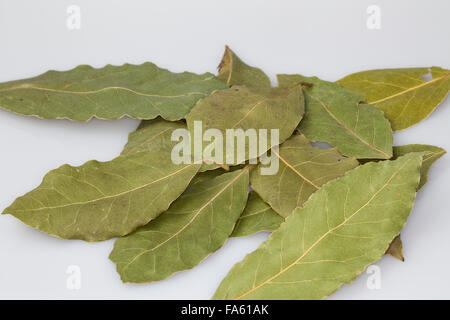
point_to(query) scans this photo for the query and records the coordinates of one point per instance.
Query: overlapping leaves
(196, 225)
(330, 216)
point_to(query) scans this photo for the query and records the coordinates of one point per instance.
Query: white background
(324, 38)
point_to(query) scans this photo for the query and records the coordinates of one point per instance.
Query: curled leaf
(341, 229)
(196, 225)
(396, 249)
(337, 116)
(404, 96)
(234, 71)
(138, 91)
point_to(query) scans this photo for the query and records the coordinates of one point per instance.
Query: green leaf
(337, 116)
(344, 227)
(196, 225)
(235, 72)
(303, 169)
(137, 91)
(101, 200)
(248, 108)
(432, 153)
(153, 135)
(396, 249)
(257, 216)
(402, 94)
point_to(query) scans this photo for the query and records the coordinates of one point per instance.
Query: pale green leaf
(404, 96)
(138, 91)
(257, 216)
(196, 225)
(248, 109)
(303, 169)
(234, 71)
(344, 227)
(102, 200)
(337, 116)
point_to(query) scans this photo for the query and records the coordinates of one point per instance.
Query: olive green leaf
(235, 72)
(396, 249)
(196, 225)
(101, 200)
(432, 153)
(247, 109)
(257, 216)
(344, 227)
(138, 91)
(303, 169)
(404, 96)
(153, 135)
(337, 116)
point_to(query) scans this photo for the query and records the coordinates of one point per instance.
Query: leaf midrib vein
(106, 197)
(410, 89)
(295, 170)
(31, 87)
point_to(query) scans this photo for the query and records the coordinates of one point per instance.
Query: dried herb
(404, 96)
(101, 200)
(138, 91)
(332, 211)
(247, 108)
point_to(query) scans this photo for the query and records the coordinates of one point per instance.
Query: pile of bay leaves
(332, 210)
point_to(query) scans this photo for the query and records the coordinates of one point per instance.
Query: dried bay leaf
(234, 71)
(303, 169)
(249, 108)
(196, 225)
(404, 96)
(257, 216)
(345, 226)
(138, 91)
(101, 200)
(337, 116)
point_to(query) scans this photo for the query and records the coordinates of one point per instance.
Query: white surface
(324, 38)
